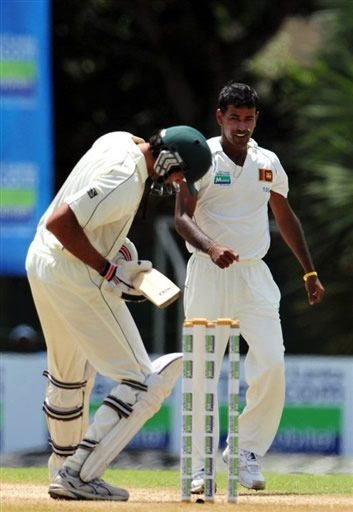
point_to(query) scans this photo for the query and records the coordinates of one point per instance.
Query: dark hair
(156, 144)
(238, 95)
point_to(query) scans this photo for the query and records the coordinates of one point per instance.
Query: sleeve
(280, 182)
(106, 199)
(205, 179)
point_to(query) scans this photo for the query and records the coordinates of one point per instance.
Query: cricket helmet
(186, 148)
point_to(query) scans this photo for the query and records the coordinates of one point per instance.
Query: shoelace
(253, 465)
(98, 481)
(200, 474)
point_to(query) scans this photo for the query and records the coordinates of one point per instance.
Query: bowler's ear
(219, 117)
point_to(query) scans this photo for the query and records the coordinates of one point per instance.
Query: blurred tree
(144, 64)
(325, 148)
(315, 114)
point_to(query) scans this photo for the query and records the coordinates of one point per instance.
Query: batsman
(81, 267)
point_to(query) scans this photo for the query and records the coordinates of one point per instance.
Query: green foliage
(139, 66)
(324, 124)
(308, 112)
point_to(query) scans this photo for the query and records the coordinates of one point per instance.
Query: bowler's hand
(314, 289)
(223, 257)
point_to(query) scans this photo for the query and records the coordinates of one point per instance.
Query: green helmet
(184, 147)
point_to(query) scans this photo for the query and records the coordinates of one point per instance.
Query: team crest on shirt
(92, 192)
(222, 178)
(266, 175)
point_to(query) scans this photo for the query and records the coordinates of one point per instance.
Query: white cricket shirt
(104, 191)
(232, 205)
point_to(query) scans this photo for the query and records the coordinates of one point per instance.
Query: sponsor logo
(210, 344)
(92, 192)
(187, 401)
(19, 67)
(208, 460)
(210, 369)
(188, 367)
(187, 446)
(266, 175)
(234, 402)
(186, 485)
(234, 369)
(188, 343)
(186, 467)
(187, 424)
(233, 446)
(222, 178)
(209, 484)
(18, 184)
(209, 402)
(315, 429)
(209, 445)
(233, 424)
(209, 424)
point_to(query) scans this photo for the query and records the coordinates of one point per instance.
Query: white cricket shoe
(68, 486)
(198, 482)
(249, 470)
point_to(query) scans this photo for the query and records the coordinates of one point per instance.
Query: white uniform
(232, 208)
(87, 326)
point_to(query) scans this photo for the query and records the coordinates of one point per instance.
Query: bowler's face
(237, 125)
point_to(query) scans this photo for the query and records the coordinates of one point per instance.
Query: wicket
(196, 331)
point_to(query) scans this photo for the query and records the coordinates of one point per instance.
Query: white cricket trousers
(87, 328)
(246, 292)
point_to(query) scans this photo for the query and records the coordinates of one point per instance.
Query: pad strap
(63, 451)
(134, 384)
(88, 444)
(62, 414)
(122, 408)
(64, 385)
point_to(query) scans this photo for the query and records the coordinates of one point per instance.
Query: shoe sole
(61, 496)
(198, 490)
(257, 485)
(66, 494)
(201, 490)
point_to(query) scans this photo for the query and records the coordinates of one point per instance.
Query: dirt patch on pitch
(30, 498)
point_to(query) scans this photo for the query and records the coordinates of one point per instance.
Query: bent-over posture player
(226, 227)
(80, 266)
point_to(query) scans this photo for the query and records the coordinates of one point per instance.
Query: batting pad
(166, 371)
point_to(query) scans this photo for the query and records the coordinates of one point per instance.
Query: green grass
(276, 482)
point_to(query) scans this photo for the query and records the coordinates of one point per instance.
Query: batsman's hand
(120, 276)
(223, 257)
(314, 289)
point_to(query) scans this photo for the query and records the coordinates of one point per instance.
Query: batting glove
(127, 252)
(120, 277)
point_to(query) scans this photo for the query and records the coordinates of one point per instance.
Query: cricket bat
(156, 287)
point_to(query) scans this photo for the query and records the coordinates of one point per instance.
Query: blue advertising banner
(25, 126)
